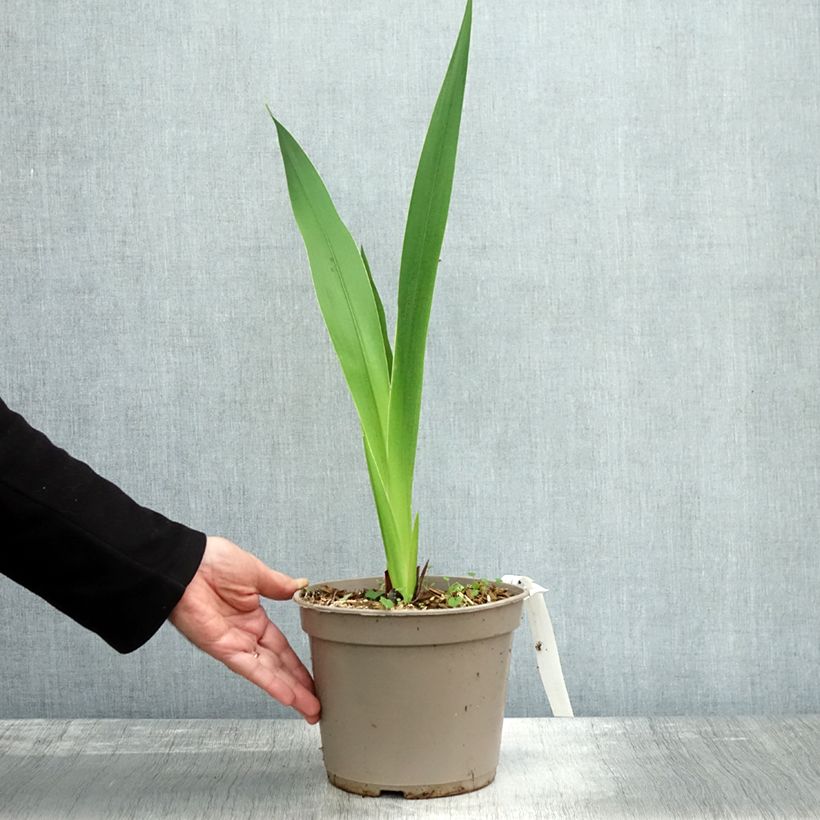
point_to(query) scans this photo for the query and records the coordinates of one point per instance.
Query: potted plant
(411, 670)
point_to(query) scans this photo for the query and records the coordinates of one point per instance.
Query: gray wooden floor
(578, 768)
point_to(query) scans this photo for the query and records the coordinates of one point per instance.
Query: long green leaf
(387, 521)
(380, 307)
(344, 292)
(424, 233)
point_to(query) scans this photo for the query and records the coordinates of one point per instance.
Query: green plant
(385, 382)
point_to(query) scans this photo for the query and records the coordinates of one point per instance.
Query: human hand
(220, 613)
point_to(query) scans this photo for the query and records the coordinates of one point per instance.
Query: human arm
(120, 569)
(79, 542)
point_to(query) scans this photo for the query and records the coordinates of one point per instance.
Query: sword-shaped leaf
(387, 522)
(380, 307)
(424, 233)
(344, 291)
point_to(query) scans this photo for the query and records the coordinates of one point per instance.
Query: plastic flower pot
(412, 701)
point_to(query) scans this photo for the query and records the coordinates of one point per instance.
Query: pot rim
(407, 613)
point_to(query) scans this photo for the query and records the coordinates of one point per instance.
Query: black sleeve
(83, 545)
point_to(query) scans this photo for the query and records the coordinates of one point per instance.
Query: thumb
(276, 585)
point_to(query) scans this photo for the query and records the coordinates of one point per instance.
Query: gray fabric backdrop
(622, 383)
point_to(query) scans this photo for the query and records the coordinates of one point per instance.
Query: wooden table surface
(578, 768)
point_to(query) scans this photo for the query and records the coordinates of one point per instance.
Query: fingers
(276, 585)
(269, 661)
(274, 664)
(276, 682)
(273, 640)
(245, 569)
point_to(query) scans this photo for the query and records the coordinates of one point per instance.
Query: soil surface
(428, 597)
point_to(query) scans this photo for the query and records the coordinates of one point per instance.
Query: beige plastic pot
(412, 701)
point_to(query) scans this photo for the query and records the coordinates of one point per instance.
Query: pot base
(413, 792)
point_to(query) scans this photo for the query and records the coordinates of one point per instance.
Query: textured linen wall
(622, 381)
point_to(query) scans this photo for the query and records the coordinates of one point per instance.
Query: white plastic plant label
(546, 650)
